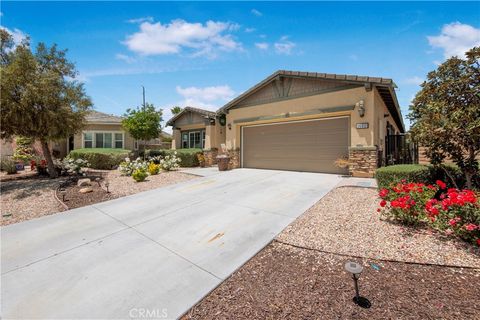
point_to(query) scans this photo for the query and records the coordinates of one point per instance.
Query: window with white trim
(103, 140)
(88, 140)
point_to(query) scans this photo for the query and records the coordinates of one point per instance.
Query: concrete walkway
(154, 253)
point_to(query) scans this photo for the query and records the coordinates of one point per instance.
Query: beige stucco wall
(358, 137)
(214, 134)
(128, 139)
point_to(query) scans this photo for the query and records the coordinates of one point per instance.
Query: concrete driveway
(153, 254)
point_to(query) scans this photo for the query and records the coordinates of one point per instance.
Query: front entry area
(310, 145)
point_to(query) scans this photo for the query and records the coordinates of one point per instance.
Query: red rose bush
(450, 210)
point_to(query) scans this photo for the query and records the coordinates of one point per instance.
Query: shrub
(99, 158)
(75, 166)
(391, 175)
(456, 212)
(153, 168)
(127, 167)
(8, 165)
(23, 150)
(170, 162)
(139, 175)
(406, 202)
(188, 157)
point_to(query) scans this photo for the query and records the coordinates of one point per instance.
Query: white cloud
(414, 80)
(202, 39)
(208, 97)
(257, 13)
(140, 20)
(17, 35)
(262, 45)
(455, 39)
(284, 46)
(125, 58)
(250, 30)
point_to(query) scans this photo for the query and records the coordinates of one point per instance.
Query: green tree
(143, 123)
(39, 95)
(23, 150)
(445, 114)
(176, 110)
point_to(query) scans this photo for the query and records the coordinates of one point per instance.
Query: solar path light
(356, 270)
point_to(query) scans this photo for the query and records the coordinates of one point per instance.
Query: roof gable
(292, 84)
(100, 117)
(190, 115)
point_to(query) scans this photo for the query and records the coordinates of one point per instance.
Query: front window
(193, 139)
(88, 140)
(103, 140)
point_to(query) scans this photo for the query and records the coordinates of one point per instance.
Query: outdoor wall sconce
(107, 184)
(229, 126)
(361, 108)
(356, 269)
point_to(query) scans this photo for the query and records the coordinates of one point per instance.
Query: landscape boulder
(84, 182)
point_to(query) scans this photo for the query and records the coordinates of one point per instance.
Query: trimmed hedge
(427, 174)
(393, 174)
(99, 158)
(188, 157)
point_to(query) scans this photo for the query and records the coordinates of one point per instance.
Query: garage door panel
(300, 146)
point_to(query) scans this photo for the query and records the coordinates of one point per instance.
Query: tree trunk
(48, 156)
(468, 178)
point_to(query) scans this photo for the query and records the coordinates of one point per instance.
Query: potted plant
(201, 159)
(223, 161)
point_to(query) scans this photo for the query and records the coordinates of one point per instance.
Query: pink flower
(383, 193)
(470, 227)
(452, 222)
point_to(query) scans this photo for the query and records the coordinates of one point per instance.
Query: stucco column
(176, 139)
(209, 137)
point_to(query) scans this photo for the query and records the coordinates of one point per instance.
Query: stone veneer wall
(363, 161)
(234, 159)
(210, 156)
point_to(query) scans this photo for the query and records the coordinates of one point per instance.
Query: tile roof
(100, 117)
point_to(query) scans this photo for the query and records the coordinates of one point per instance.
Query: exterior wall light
(229, 126)
(356, 270)
(361, 108)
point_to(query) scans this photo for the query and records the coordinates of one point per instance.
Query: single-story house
(302, 121)
(101, 131)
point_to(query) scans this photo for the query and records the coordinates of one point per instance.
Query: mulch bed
(284, 282)
(75, 199)
(346, 221)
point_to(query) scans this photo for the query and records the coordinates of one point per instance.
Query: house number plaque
(362, 125)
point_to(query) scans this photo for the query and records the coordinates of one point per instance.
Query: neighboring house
(300, 121)
(101, 131)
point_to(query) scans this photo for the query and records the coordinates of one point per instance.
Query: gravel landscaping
(346, 222)
(26, 199)
(283, 282)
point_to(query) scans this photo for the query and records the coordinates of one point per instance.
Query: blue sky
(204, 54)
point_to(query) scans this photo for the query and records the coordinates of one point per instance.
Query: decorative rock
(86, 190)
(84, 182)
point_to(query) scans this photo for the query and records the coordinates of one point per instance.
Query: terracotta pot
(222, 162)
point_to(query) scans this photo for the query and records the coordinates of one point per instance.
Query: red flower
(478, 242)
(383, 193)
(452, 222)
(383, 203)
(378, 210)
(470, 227)
(441, 184)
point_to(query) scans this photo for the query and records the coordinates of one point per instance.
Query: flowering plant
(140, 174)
(127, 167)
(170, 162)
(453, 211)
(78, 166)
(405, 201)
(153, 168)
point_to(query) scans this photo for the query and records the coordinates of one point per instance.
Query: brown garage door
(301, 146)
